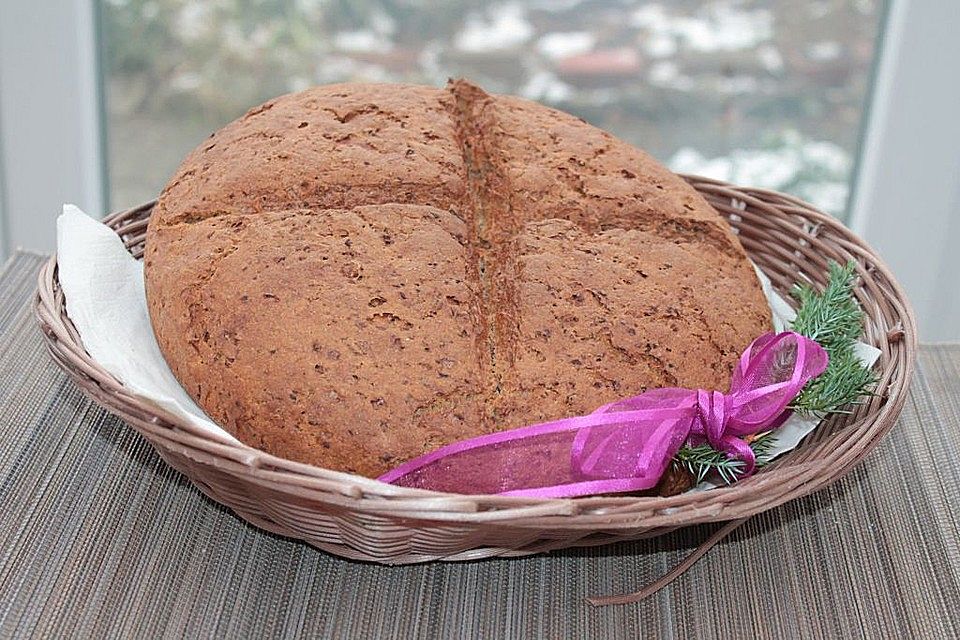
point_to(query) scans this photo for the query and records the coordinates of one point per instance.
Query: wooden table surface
(99, 538)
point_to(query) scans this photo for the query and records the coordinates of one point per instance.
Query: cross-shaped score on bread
(355, 275)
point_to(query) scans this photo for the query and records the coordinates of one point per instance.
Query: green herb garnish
(701, 460)
(833, 319)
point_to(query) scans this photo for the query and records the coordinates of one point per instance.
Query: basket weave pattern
(364, 519)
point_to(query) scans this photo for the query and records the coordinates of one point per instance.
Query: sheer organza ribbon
(626, 445)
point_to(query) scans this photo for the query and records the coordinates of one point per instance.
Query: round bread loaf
(357, 274)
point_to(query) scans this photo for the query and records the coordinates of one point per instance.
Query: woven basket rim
(802, 471)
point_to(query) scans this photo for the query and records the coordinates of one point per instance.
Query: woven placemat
(98, 538)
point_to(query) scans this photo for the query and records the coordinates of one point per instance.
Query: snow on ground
(770, 58)
(666, 73)
(563, 44)
(813, 170)
(502, 26)
(824, 51)
(544, 86)
(362, 41)
(830, 197)
(720, 26)
(193, 21)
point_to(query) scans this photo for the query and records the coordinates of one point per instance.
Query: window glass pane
(761, 93)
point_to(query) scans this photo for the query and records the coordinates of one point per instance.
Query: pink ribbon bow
(626, 445)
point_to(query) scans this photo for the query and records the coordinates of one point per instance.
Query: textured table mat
(98, 538)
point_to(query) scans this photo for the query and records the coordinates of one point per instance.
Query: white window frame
(50, 118)
(906, 200)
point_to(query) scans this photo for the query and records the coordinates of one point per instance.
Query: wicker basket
(364, 519)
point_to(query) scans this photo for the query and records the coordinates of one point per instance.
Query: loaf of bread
(357, 274)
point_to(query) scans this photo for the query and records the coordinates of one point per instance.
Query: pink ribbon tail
(626, 445)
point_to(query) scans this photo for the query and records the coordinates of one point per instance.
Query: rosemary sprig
(833, 319)
(702, 460)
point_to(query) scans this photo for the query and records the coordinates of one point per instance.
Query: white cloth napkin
(103, 287)
(104, 291)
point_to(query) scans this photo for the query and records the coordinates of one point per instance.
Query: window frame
(51, 118)
(906, 198)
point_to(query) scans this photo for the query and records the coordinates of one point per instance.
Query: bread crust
(355, 275)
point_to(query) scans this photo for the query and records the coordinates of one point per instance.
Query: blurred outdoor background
(767, 93)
